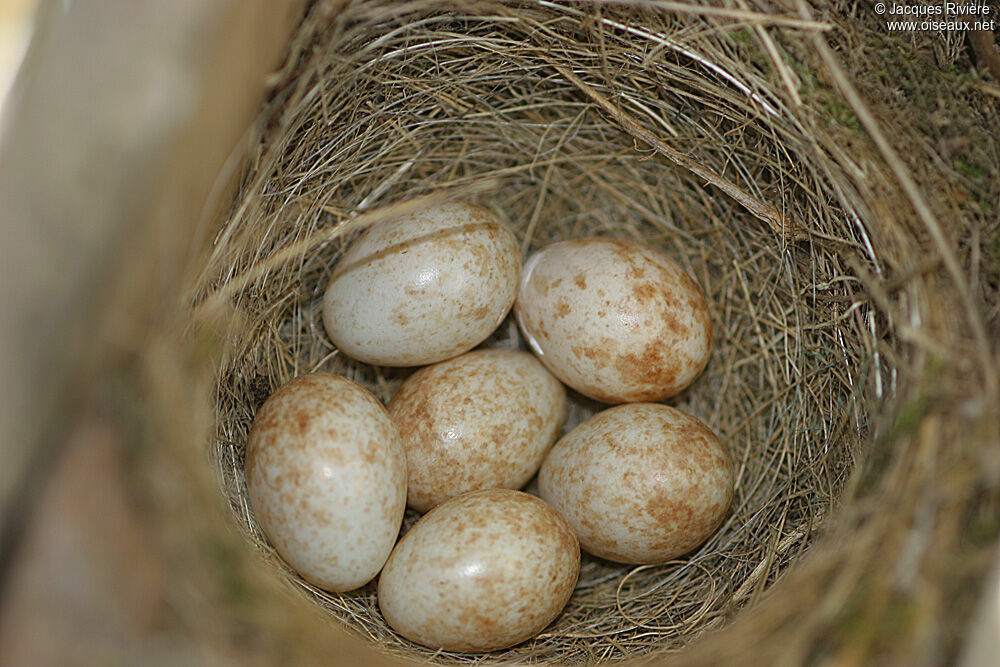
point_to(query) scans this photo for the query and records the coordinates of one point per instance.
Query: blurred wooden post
(115, 134)
(115, 101)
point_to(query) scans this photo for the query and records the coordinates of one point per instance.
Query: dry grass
(835, 331)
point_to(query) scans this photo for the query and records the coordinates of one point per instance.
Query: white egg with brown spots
(617, 321)
(481, 572)
(482, 420)
(326, 476)
(423, 287)
(639, 483)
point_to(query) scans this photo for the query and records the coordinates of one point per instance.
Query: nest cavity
(674, 128)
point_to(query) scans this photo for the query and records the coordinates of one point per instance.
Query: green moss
(873, 629)
(227, 563)
(905, 423)
(981, 525)
(993, 247)
(983, 530)
(973, 170)
(740, 36)
(908, 418)
(838, 110)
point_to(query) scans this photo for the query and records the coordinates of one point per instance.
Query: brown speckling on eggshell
(483, 571)
(326, 476)
(640, 308)
(482, 420)
(639, 483)
(423, 287)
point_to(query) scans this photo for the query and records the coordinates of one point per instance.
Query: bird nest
(697, 131)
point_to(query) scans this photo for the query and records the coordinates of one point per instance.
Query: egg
(326, 478)
(423, 287)
(483, 571)
(482, 420)
(617, 321)
(639, 483)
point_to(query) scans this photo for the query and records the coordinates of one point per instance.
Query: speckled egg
(423, 287)
(480, 572)
(482, 420)
(639, 483)
(326, 475)
(615, 320)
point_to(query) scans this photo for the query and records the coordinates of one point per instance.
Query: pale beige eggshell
(483, 571)
(615, 320)
(326, 476)
(423, 287)
(639, 483)
(482, 420)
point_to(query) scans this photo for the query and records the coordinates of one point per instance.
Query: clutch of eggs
(329, 469)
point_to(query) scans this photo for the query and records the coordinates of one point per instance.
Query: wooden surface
(123, 117)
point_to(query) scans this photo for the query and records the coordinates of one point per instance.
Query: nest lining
(571, 121)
